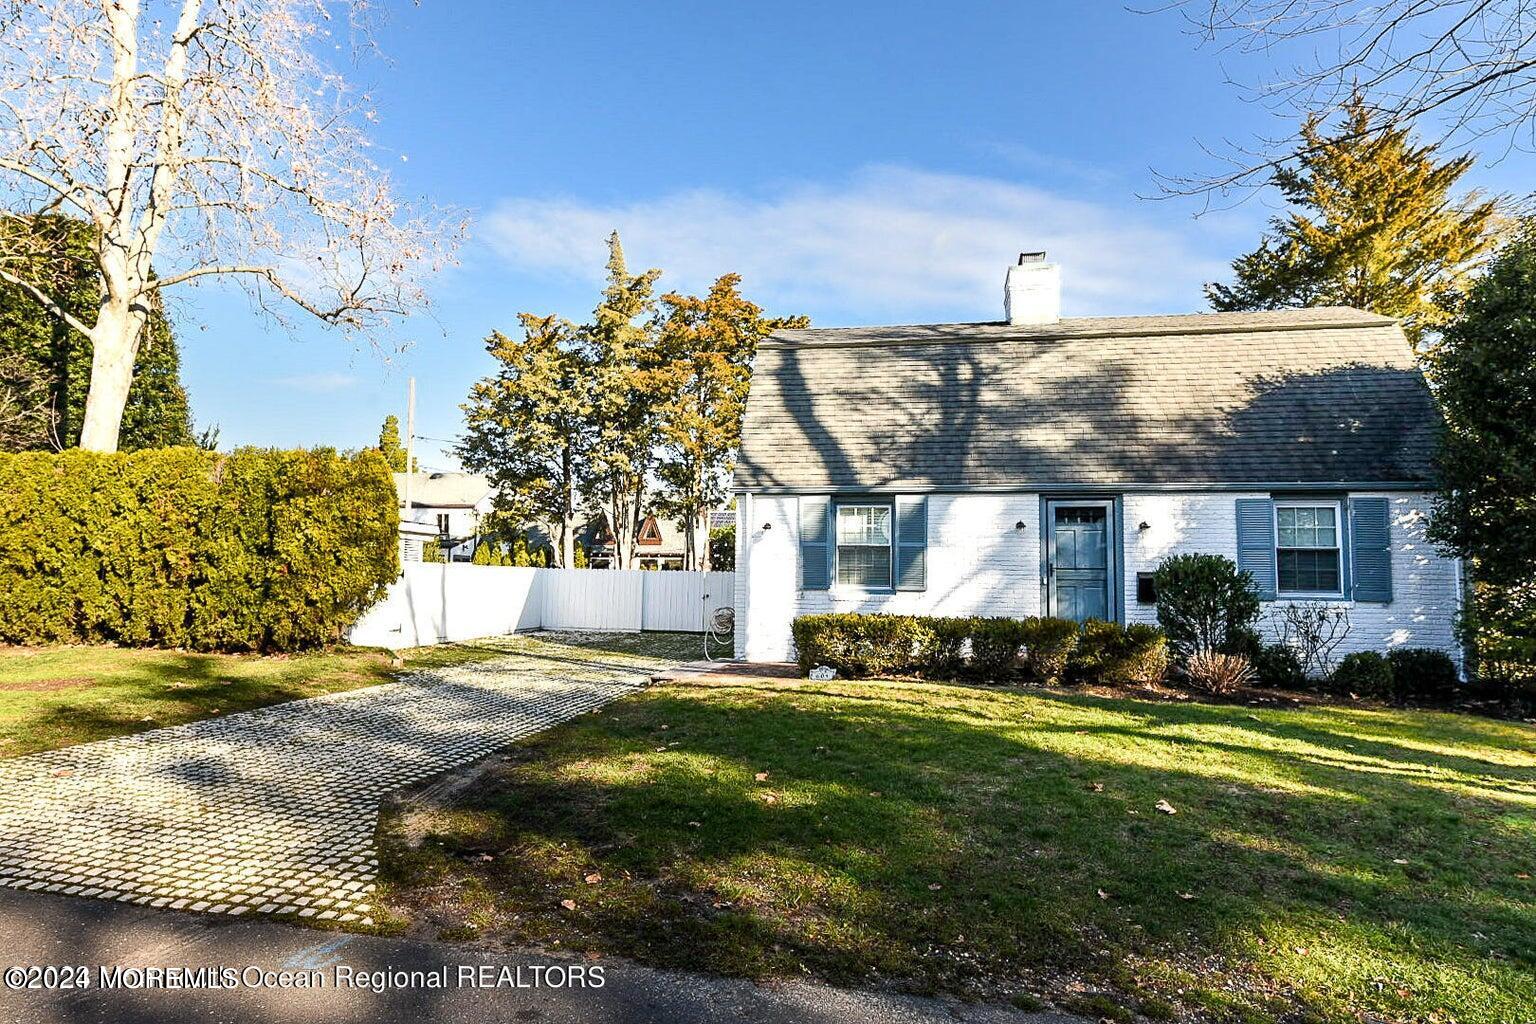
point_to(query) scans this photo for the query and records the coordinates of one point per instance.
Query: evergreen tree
(157, 414)
(622, 352)
(391, 448)
(528, 426)
(706, 347)
(1374, 224)
(1484, 372)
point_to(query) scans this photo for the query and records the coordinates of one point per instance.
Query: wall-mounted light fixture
(1019, 525)
(767, 526)
(1144, 525)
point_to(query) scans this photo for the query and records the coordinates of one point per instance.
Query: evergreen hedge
(1042, 650)
(253, 550)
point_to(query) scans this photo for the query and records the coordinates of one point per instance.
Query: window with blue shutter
(815, 543)
(1371, 549)
(1256, 543)
(911, 542)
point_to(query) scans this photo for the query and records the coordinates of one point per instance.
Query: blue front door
(1079, 561)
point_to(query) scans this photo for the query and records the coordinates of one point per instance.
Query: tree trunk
(114, 349)
(636, 517)
(568, 513)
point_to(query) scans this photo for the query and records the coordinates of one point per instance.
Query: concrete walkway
(274, 811)
(41, 929)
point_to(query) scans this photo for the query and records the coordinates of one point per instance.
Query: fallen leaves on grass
(1166, 807)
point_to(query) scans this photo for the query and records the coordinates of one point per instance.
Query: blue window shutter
(1256, 543)
(911, 542)
(815, 543)
(1370, 540)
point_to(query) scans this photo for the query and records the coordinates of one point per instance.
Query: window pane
(864, 565)
(863, 524)
(1327, 528)
(1307, 526)
(1309, 570)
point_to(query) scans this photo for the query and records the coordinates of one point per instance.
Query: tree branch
(46, 301)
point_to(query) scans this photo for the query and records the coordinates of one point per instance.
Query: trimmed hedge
(997, 649)
(254, 550)
(1119, 655)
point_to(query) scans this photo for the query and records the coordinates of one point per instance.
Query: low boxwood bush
(1278, 667)
(254, 550)
(995, 648)
(860, 645)
(1363, 674)
(1048, 646)
(947, 643)
(1117, 655)
(988, 649)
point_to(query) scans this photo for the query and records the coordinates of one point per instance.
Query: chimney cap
(1032, 257)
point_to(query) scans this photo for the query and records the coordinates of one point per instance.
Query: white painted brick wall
(979, 564)
(1425, 584)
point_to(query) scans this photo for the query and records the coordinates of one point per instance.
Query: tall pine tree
(528, 427)
(621, 350)
(1375, 224)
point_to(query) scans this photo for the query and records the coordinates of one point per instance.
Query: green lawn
(1329, 863)
(55, 696)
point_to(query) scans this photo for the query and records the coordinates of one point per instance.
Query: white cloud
(889, 242)
(318, 383)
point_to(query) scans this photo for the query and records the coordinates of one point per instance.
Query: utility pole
(410, 445)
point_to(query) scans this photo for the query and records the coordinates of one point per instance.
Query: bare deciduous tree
(1468, 66)
(202, 138)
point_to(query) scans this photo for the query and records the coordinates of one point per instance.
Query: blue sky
(857, 162)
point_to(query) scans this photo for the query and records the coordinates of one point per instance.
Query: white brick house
(1043, 466)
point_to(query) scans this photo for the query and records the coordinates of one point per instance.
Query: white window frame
(890, 546)
(1338, 545)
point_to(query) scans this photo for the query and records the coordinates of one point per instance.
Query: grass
(56, 696)
(1325, 864)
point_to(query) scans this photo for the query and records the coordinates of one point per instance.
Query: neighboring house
(453, 504)
(658, 545)
(1043, 465)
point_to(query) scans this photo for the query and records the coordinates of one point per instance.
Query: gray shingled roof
(1309, 396)
(445, 490)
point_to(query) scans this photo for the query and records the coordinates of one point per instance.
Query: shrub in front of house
(1362, 674)
(995, 647)
(253, 550)
(1204, 603)
(1048, 646)
(988, 649)
(946, 641)
(859, 645)
(1217, 673)
(1421, 673)
(1119, 655)
(1278, 667)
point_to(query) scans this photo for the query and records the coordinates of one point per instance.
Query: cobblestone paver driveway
(274, 811)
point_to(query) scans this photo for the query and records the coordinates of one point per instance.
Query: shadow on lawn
(972, 843)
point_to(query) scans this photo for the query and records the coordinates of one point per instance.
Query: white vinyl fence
(437, 603)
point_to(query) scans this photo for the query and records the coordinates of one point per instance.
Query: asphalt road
(481, 987)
